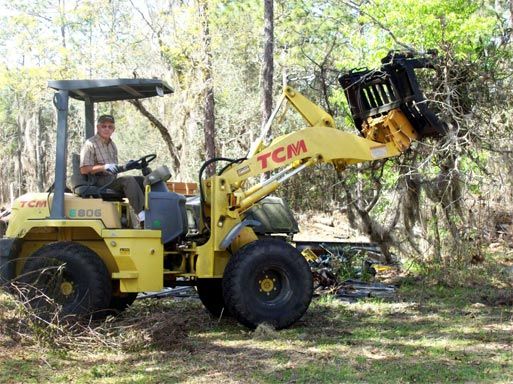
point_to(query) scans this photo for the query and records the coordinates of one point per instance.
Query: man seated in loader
(99, 156)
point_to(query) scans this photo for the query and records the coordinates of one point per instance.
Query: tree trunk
(40, 153)
(19, 178)
(62, 12)
(268, 64)
(511, 18)
(436, 242)
(209, 109)
(360, 218)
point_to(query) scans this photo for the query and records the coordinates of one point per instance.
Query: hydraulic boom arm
(388, 109)
(320, 142)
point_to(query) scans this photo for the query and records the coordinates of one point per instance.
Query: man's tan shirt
(97, 151)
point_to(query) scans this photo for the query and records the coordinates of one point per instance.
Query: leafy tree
(429, 202)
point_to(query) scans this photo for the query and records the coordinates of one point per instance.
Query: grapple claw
(373, 94)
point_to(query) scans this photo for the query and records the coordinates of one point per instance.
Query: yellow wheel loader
(82, 250)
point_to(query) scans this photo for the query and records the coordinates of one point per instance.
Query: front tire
(210, 292)
(67, 274)
(267, 281)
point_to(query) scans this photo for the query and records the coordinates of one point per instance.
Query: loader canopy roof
(90, 92)
(111, 89)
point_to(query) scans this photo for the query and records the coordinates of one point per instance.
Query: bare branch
(173, 150)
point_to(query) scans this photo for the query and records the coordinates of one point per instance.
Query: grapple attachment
(373, 94)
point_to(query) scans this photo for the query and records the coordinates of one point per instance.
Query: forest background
(444, 201)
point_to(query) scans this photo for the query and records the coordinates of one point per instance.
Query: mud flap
(230, 236)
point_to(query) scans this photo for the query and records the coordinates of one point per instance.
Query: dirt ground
(327, 227)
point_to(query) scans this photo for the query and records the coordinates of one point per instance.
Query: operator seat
(83, 185)
(166, 210)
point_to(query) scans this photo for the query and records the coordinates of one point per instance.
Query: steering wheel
(145, 160)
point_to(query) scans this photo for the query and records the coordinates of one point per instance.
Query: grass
(430, 334)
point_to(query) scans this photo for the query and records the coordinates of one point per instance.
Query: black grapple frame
(373, 93)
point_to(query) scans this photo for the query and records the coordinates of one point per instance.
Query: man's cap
(104, 118)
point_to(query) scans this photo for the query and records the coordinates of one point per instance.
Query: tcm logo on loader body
(281, 154)
(33, 204)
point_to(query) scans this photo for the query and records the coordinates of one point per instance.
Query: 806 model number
(85, 213)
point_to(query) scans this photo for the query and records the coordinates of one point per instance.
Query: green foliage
(463, 24)
(314, 42)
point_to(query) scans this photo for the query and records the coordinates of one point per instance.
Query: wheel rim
(66, 288)
(56, 282)
(272, 285)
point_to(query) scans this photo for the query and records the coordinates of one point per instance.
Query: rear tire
(267, 281)
(69, 275)
(120, 302)
(210, 292)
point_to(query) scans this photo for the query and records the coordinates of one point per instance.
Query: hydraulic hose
(202, 169)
